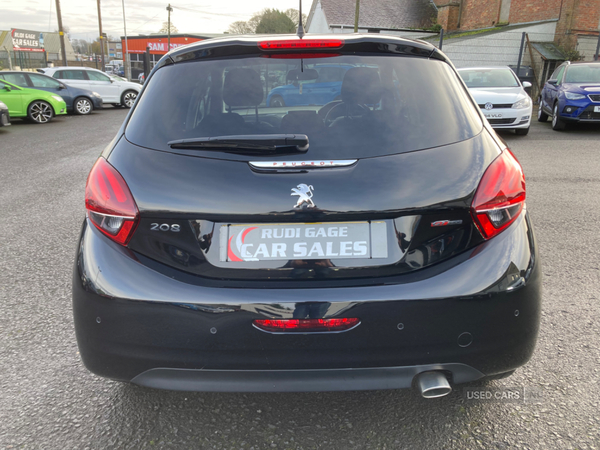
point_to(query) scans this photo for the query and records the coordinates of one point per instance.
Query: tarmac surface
(48, 400)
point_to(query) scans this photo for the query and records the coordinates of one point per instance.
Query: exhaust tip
(433, 384)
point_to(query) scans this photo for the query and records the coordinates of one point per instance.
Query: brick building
(575, 18)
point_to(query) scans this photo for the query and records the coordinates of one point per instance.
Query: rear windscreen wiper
(249, 144)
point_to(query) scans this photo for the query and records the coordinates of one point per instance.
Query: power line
(149, 20)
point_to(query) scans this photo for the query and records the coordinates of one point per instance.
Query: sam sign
(27, 41)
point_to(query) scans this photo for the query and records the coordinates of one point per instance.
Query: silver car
(501, 97)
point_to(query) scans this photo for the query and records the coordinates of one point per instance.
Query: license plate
(303, 241)
(596, 108)
(493, 116)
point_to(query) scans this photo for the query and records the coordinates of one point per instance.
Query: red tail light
(500, 196)
(109, 203)
(301, 44)
(305, 325)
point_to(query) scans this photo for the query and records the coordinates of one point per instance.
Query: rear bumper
(477, 318)
(300, 380)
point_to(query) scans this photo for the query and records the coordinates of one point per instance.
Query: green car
(38, 106)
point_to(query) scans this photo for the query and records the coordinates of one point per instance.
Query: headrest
(242, 87)
(361, 85)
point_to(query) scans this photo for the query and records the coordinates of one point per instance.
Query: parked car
(34, 104)
(4, 115)
(117, 93)
(501, 97)
(365, 243)
(303, 89)
(141, 78)
(79, 101)
(572, 94)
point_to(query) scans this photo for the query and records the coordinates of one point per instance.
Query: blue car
(79, 101)
(572, 94)
(324, 88)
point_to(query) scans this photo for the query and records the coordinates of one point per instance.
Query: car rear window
(348, 106)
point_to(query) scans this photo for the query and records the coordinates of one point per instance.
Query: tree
(268, 21)
(294, 15)
(240, 27)
(81, 45)
(165, 28)
(274, 21)
(95, 46)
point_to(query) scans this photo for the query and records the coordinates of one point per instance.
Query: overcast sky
(143, 17)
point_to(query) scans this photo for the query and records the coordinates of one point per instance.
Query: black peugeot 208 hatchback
(367, 230)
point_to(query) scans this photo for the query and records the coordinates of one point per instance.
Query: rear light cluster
(306, 325)
(109, 203)
(500, 197)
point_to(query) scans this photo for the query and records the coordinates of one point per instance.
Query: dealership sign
(157, 46)
(28, 41)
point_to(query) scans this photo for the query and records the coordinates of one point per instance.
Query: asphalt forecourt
(48, 400)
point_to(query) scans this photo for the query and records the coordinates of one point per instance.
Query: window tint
(476, 78)
(97, 76)
(16, 78)
(373, 106)
(43, 81)
(73, 75)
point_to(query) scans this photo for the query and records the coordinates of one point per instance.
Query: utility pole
(101, 37)
(126, 59)
(169, 27)
(356, 16)
(61, 33)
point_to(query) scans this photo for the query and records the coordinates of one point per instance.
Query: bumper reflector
(306, 325)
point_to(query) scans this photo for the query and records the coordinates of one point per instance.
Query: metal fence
(28, 60)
